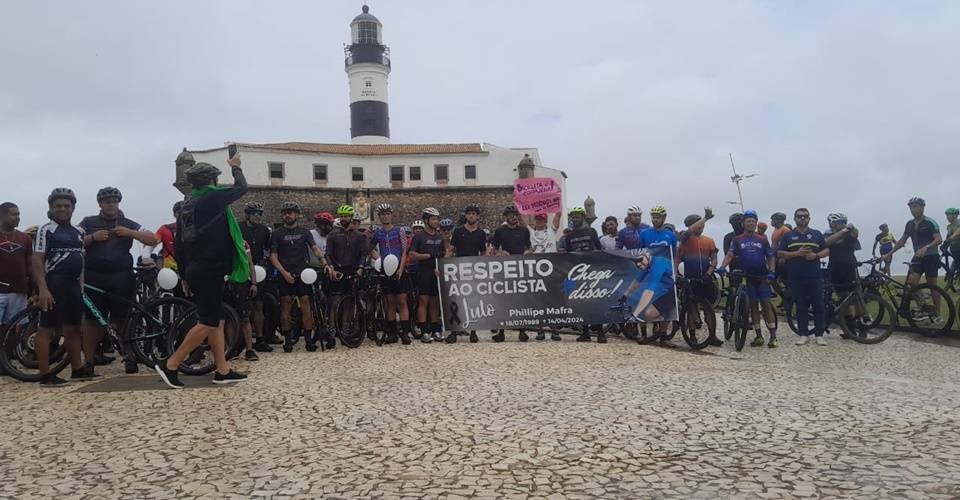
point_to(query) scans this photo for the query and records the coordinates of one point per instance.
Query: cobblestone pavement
(548, 420)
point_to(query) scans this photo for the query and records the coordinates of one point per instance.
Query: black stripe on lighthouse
(369, 118)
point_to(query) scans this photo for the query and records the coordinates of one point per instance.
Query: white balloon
(377, 265)
(259, 273)
(167, 279)
(308, 276)
(390, 264)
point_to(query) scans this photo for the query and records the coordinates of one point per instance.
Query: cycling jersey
(652, 237)
(293, 247)
(922, 233)
(432, 245)
(469, 243)
(390, 242)
(800, 268)
(166, 236)
(346, 249)
(657, 277)
(513, 240)
(777, 235)
(954, 243)
(257, 237)
(582, 239)
(629, 237)
(62, 248)
(113, 253)
(695, 252)
(752, 251)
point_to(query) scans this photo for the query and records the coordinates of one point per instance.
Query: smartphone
(231, 151)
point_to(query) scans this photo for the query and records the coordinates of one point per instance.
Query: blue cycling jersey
(752, 251)
(62, 248)
(390, 242)
(629, 237)
(657, 277)
(652, 237)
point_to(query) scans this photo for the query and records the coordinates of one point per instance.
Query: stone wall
(407, 203)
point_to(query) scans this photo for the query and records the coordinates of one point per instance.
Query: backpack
(189, 232)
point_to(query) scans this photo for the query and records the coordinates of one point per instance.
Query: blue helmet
(751, 214)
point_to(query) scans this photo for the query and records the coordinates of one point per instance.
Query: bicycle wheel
(698, 321)
(792, 317)
(741, 321)
(864, 323)
(929, 309)
(350, 322)
(201, 361)
(728, 317)
(271, 316)
(18, 354)
(145, 333)
(233, 342)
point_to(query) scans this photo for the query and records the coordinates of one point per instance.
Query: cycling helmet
(384, 207)
(418, 223)
(323, 216)
(916, 200)
(577, 210)
(670, 226)
(201, 172)
(109, 192)
(751, 214)
(62, 194)
(374, 228)
(177, 207)
(253, 206)
(778, 216)
(510, 210)
(634, 210)
(836, 218)
(952, 211)
(736, 218)
(406, 229)
(345, 210)
(471, 207)
(446, 224)
(289, 206)
(658, 210)
(430, 212)
(691, 219)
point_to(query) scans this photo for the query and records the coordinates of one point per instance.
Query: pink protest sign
(537, 196)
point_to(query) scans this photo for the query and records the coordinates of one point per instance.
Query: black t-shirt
(582, 239)
(469, 243)
(258, 237)
(843, 252)
(346, 249)
(215, 246)
(293, 248)
(430, 244)
(921, 234)
(113, 254)
(513, 240)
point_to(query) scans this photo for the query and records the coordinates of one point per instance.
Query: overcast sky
(838, 106)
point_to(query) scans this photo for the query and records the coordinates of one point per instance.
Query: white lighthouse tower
(368, 67)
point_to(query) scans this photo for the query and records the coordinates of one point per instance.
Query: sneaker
(85, 373)
(230, 378)
(773, 343)
(584, 337)
(416, 334)
(311, 347)
(555, 336)
(169, 377)
(714, 341)
(601, 338)
(524, 337)
(438, 336)
(130, 366)
(499, 337)
(51, 380)
(287, 348)
(821, 341)
(802, 341)
(274, 340)
(251, 355)
(404, 338)
(391, 338)
(757, 341)
(426, 338)
(452, 338)
(473, 338)
(262, 347)
(329, 341)
(541, 336)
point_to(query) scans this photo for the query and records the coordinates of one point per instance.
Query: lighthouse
(367, 64)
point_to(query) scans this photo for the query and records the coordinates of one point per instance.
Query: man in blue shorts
(756, 260)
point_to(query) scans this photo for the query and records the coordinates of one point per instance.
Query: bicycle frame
(102, 321)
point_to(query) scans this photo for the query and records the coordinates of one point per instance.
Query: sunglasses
(803, 216)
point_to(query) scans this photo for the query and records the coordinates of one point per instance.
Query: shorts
(297, 289)
(394, 286)
(119, 283)
(237, 295)
(665, 304)
(427, 284)
(68, 303)
(928, 265)
(207, 286)
(758, 289)
(10, 305)
(843, 278)
(886, 248)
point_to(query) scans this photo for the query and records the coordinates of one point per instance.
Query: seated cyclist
(346, 252)
(757, 261)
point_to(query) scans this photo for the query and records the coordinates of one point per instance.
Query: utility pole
(737, 179)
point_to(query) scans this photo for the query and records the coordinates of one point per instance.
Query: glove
(721, 270)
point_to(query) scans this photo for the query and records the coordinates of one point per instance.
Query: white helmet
(433, 212)
(634, 210)
(417, 223)
(837, 218)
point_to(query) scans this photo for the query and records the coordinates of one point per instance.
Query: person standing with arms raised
(209, 246)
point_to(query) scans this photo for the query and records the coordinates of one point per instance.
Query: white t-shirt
(543, 240)
(608, 242)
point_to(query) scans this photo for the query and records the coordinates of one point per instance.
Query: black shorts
(395, 286)
(297, 289)
(843, 278)
(928, 265)
(207, 285)
(666, 304)
(120, 283)
(68, 303)
(427, 284)
(238, 296)
(704, 289)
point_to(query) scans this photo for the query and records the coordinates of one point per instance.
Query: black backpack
(189, 232)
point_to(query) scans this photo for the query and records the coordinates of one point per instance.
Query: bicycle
(695, 313)
(350, 323)
(917, 304)
(737, 314)
(201, 361)
(859, 312)
(376, 316)
(951, 267)
(622, 314)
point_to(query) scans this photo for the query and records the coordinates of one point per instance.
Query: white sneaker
(802, 341)
(821, 341)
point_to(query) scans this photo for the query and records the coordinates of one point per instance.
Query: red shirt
(165, 233)
(16, 249)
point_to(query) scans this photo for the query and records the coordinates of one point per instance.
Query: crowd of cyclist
(205, 243)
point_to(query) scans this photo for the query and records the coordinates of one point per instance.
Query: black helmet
(62, 194)
(290, 205)
(471, 207)
(253, 206)
(202, 173)
(778, 216)
(109, 192)
(916, 200)
(510, 210)
(177, 207)
(736, 218)
(691, 219)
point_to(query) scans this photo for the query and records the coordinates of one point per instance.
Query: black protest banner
(553, 290)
